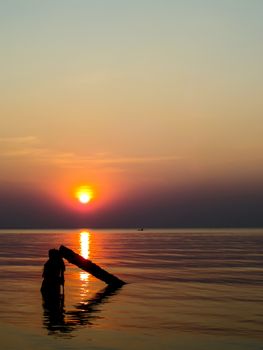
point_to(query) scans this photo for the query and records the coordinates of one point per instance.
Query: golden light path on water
(84, 240)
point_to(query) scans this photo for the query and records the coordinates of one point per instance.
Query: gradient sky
(157, 105)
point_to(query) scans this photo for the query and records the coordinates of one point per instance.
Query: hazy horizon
(156, 105)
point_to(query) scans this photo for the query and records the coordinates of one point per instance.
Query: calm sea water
(187, 289)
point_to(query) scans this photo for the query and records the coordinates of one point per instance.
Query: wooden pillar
(90, 267)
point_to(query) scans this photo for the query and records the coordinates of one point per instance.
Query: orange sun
(84, 194)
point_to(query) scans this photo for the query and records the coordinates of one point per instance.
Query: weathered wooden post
(90, 267)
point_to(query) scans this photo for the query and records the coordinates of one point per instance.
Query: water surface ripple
(207, 283)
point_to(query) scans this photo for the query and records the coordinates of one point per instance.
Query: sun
(84, 198)
(84, 194)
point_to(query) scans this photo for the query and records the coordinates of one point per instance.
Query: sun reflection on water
(85, 244)
(84, 240)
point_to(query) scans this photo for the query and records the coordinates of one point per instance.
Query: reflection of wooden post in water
(90, 267)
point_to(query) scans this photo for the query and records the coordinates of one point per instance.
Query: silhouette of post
(90, 267)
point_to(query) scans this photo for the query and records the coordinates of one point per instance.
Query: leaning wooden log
(90, 267)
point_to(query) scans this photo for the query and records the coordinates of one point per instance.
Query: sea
(186, 289)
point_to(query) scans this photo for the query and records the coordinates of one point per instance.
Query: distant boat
(140, 229)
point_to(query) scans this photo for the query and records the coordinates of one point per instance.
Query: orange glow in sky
(97, 137)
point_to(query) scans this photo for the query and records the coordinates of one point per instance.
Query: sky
(155, 105)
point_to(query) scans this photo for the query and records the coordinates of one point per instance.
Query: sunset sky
(155, 105)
